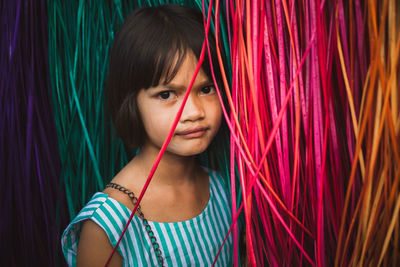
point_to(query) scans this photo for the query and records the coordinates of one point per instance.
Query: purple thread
(30, 196)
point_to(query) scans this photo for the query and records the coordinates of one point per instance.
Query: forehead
(186, 71)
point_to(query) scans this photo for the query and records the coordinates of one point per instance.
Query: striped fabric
(194, 242)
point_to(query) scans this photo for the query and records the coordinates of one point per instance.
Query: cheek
(215, 114)
(148, 120)
(158, 123)
(218, 111)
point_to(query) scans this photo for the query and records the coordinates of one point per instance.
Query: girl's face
(200, 119)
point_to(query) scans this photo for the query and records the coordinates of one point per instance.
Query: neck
(172, 170)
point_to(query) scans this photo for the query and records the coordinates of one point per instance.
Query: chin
(187, 152)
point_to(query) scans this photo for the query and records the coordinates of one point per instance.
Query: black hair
(148, 50)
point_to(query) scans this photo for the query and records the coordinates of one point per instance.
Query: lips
(192, 132)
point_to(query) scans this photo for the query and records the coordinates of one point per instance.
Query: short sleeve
(94, 210)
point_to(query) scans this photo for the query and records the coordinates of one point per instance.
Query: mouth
(192, 132)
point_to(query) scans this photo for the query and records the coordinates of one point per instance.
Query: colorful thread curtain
(313, 113)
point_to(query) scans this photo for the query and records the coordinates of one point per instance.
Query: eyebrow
(182, 87)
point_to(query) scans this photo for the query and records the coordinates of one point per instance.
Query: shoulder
(119, 196)
(124, 179)
(91, 208)
(105, 211)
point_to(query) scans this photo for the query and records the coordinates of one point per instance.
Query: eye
(209, 89)
(165, 95)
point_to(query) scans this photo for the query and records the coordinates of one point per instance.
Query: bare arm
(94, 248)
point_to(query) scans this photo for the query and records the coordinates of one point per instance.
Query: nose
(193, 109)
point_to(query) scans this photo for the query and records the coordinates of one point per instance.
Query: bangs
(168, 42)
(152, 45)
(167, 63)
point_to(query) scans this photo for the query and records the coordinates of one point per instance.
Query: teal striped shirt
(194, 242)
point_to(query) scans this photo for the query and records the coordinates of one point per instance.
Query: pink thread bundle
(301, 87)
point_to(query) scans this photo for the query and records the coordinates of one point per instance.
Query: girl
(185, 213)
